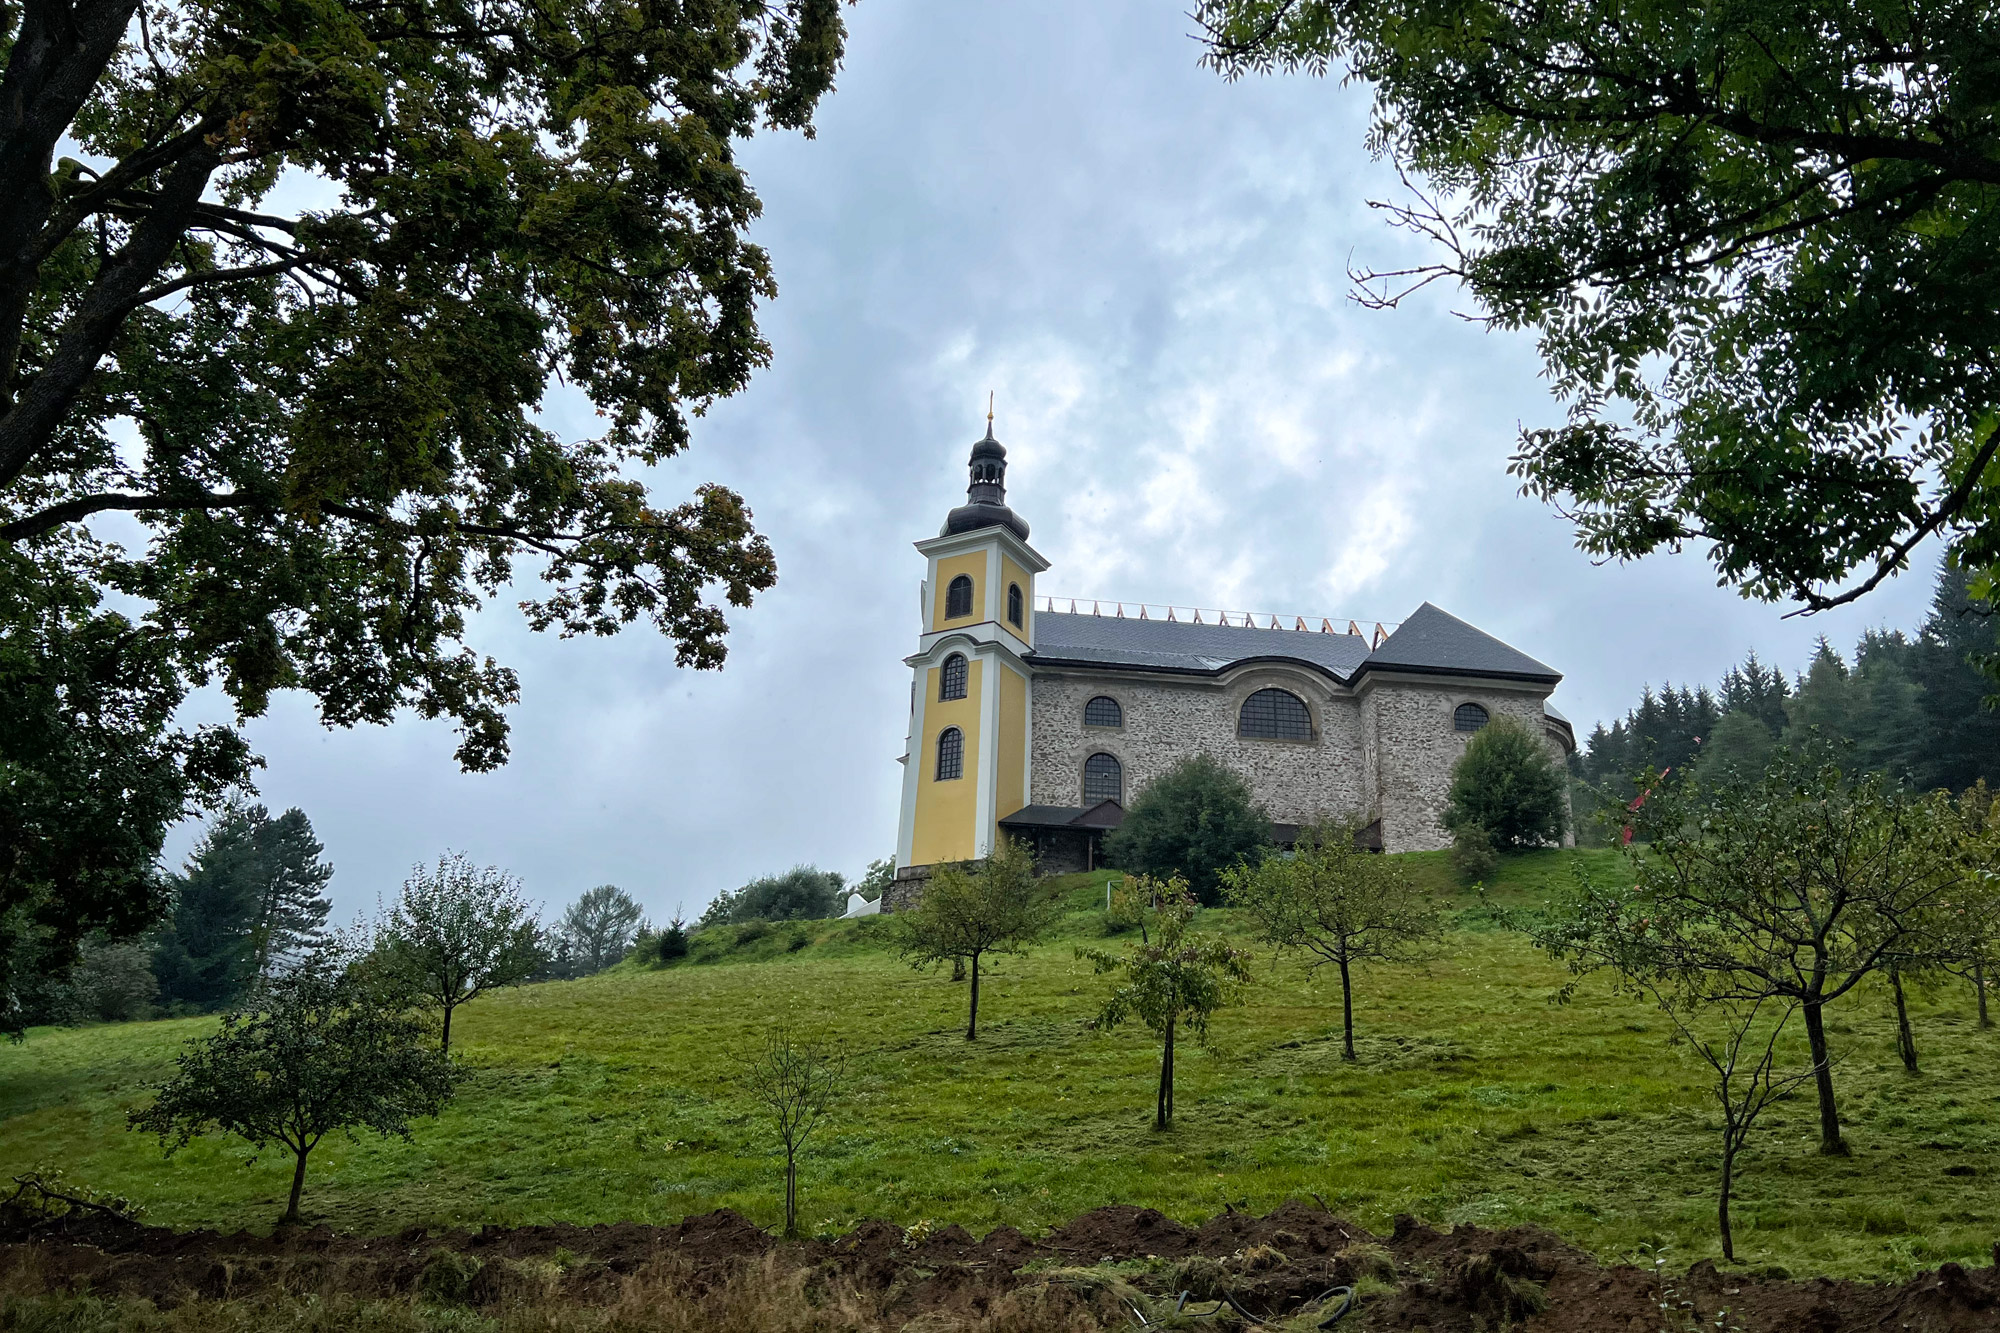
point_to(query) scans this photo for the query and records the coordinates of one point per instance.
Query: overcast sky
(1053, 202)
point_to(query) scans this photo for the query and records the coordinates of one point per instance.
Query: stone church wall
(1387, 754)
(1166, 719)
(1414, 747)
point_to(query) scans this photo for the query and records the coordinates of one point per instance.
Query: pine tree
(206, 952)
(253, 895)
(292, 906)
(1962, 735)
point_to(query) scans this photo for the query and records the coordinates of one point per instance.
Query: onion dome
(986, 498)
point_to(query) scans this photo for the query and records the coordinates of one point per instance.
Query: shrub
(672, 945)
(1195, 820)
(1472, 854)
(803, 893)
(1507, 786)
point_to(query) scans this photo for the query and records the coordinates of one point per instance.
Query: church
(1042, 724)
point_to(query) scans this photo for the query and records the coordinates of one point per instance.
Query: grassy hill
(1476, 1099)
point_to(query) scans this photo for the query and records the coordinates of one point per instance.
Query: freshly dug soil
(1466, 1279)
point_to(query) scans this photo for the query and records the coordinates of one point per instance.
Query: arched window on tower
(958, 598)
(951, 754)
(1469, 717)
(1274, 715)
(1103, 711)
(1103, 779)
(951, 680)
(1014, 613)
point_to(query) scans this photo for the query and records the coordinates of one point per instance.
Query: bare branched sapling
(794, 1079)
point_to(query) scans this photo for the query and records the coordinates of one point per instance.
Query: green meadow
(1476, 1099)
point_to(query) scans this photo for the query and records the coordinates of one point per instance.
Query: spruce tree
(292, 878)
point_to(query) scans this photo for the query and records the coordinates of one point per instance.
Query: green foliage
(1175, 978)
(456, 932)
(317, 1054)
(1195, 820)
(1794, 888)
(968, 911)
(803, 893)
(1909, 707)
(672, 944)
(334, 455)
(1760, 289)
(92, 772)
(1339, 904)
(253, 896)
(1472, 854)
(599, 927)
(112, 983)
(876, 879)
(1506, 786)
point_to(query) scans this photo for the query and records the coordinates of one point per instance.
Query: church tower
(965, 764)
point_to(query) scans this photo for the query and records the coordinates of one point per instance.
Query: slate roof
(1431, 641)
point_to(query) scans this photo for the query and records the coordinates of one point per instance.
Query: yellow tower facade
(965, 763)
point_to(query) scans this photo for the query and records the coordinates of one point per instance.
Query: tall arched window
(1103, 711)
(1103, 779)
(958, 598)
(1274, 715)
(951, 680)
(1014, 605)
(1469, 717)
(951, 754)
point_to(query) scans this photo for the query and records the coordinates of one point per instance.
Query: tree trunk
(298, 1187)
(1906, 1042)
(1346, 1012)
(1164, 1112)
(446, 1047)
(1979, 989)
(1830, 1142)
(958, 969)
(972, 1023)
(791, 1194)
(1722, 1203)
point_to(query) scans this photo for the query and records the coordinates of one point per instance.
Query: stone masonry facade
(1381, 750)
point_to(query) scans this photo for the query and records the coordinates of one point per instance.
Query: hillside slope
(1476, 1099)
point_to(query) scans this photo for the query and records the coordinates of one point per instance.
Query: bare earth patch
(1099, 1272)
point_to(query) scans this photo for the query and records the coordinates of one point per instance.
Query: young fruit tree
(1738, 1040)
(794, 1078)
(319, 1053)
(1794, 888)
(1339, 904)
(456, 932)
(1970, 926)
(1176, 979)
(1507, 787)
(995, 906)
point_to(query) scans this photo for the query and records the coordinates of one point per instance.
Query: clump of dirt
(1082, 1276)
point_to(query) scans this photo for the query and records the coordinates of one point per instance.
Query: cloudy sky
(1052, 202)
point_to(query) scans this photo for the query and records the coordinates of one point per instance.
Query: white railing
(1202, 615)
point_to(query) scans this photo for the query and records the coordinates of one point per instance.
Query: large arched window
(1469, 717)
(951, 754)
(1274, 715)
(951, 680)
(1103, 779)
(1103, 711)
(958, 598)
(1014, 605)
